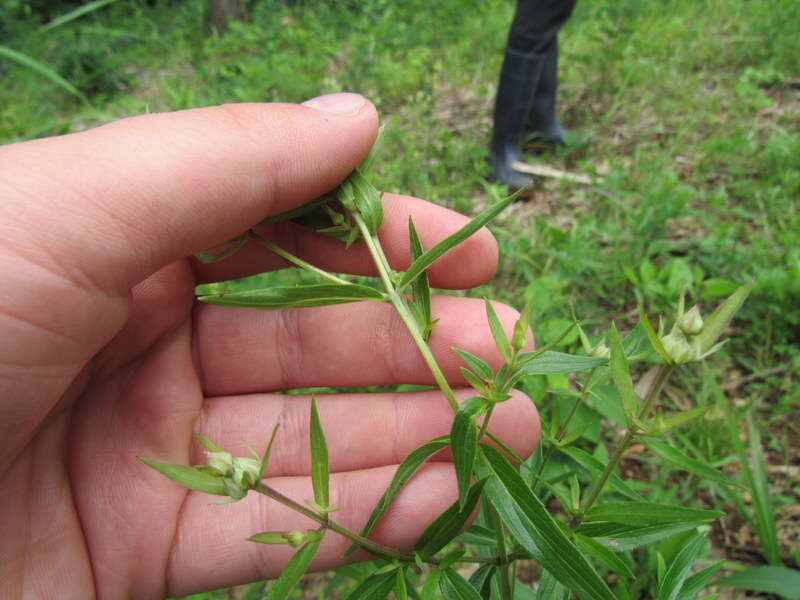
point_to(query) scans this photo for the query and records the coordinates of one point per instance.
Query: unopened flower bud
(295, 538)
(678, 347)
(246, 471)
(600, 351)
(221, 462)
(691, 323)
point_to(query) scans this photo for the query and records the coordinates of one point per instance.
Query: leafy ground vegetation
(694, 112)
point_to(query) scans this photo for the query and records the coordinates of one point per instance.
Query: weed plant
(695, 111)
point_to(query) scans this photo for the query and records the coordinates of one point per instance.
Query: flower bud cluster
(682, 344)
(239, 474)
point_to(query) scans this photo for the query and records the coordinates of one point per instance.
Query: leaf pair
(464, 441)
(282, 588)
(410, 465)
(532, 526)
(282, 297)
(420, 301)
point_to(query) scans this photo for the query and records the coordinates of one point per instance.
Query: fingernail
(338, 104)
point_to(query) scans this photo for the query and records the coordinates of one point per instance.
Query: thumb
(114, 204)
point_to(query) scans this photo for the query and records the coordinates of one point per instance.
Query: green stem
(562, 430)
(661, 377)
(485, 424)
(296, 260)
(373, 547)
(506, 591)
(373, 245)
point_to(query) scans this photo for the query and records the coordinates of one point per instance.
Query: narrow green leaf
(375, 587)
(498, 333)
(451, 558)
(75, 14)
(762, 499)
(619, 537)
(368, 161)
(679, 568)
(269, 537)
(621, 374)
(648, 513)
(636, 341)
(454, 587)
(208, 444)
(400, 585)
(43, 70)
(420, 288)
(671, 454)
(551, 363)
(522, 328)
(300, 211)
(684, 417)
(447, 525)
(357, 194)
(481, 579)
(189, 477)
(480, 368)
(424, 261)
(233, 246)
(276, 298)
(410, 465)
(717, 321)
(476, 383)
(655, 341)
(698, 581)
(590, 463)
(531, 524)
(430, 589)
(292, 572)
(773, 580)
(267, 453)
(478, 536)
(504, 447)
(604, 556)
(464, 442)
(319, 458)
(550, 588)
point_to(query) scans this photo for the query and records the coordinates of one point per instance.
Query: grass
(694, 107)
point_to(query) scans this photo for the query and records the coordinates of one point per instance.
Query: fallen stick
(545, 171)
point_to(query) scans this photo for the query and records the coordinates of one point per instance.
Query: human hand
(104, 355)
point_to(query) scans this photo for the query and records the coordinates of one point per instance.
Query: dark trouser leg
(536, 23)
(542, 122)
(515, 92)
(528, 57)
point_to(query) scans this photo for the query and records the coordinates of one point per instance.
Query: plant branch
(562, 430)
(506, 591)
(379, 258)
(660, 379)
(368, 545)
(299, 262)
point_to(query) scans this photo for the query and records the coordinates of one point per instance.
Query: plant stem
(368, 545)
(373, 245)
(299, 262)
(506, 591)
(485, 424)
(562, 430)
(661, 377)
(325, 522)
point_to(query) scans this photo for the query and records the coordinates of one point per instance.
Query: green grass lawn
(694, 110)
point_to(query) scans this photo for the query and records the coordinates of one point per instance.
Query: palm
(175, 372)
(93, 375)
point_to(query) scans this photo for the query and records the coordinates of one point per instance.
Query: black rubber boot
(542, 125)
(518, 80)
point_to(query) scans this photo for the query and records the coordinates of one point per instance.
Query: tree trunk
(221, 12)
